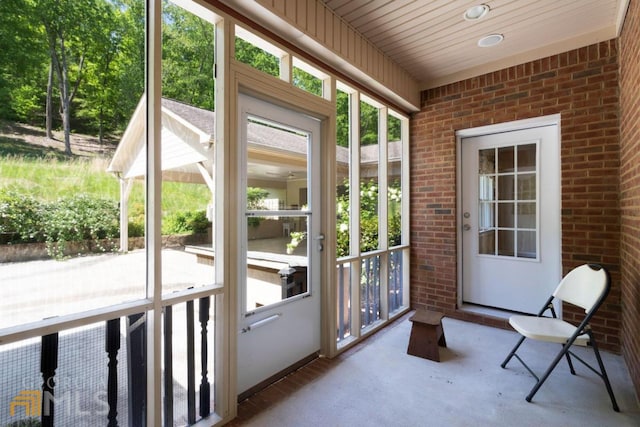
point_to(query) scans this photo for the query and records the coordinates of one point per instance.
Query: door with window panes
(279, 293)
(510, 218)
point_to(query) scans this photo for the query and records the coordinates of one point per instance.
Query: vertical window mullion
(153, 94)
(225, 307)
(405, 235)
(286, 68)
(354, 208)
(383, 210)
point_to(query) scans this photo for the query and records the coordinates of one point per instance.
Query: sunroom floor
(377, 383)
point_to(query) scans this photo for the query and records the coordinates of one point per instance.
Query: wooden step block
(426, 334)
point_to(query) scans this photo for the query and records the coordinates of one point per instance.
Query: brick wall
(581, 85)
(629, 43)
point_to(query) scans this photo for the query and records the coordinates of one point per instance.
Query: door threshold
(487, 311)
(276, 377)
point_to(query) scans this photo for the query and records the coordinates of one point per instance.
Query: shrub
(185, 222)
(136, 220)
(79, 218)
(28, 422)
(368, 217)
(20, 219)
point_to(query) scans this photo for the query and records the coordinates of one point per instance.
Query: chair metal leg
(504, 364)
(573, 371)
(551, 367)
(603, 374)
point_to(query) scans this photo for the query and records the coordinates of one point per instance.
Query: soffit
(436, 45)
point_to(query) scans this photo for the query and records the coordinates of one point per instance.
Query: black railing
(119, 404)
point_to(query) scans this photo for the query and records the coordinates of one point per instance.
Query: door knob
(466, 227)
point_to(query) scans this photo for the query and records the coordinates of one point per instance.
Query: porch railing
(90, 368)
(373, 305)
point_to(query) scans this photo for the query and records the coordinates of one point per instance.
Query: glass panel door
(510, 217)
(279, 298)
(507, 201)
(277, 212)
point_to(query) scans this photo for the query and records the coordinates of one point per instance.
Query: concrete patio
(373, 384)
(378, 384)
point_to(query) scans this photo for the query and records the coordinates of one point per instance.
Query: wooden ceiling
(436, 45)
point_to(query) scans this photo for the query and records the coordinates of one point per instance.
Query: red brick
(629, 51)
(581, 85)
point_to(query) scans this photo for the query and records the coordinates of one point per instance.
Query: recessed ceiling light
(490, 40)
(476, 12)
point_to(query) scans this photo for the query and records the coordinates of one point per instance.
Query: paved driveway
(34, 290)
(30, 291)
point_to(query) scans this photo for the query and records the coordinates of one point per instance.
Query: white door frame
(487, 130)
(278, 320)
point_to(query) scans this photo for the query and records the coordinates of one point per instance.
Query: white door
(510, 218)
(279, 295)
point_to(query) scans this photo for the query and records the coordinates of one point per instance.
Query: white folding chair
(585, 286)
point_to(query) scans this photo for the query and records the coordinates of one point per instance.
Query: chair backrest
(584, 286)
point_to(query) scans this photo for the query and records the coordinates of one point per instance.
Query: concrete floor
(378, 384)
(374, 384)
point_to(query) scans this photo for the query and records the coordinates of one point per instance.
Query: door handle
(260, 323)
(320, 238)
(466, 227)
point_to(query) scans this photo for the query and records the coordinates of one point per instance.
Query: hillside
(19, 139)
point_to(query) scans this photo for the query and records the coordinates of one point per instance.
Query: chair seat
(586, 287)
(546, 329)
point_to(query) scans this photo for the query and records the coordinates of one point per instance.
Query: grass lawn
(36, 166)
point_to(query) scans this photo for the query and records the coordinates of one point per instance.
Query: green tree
(342, 119)
(129, 64)
(368, 124)
(257, 58)
(368, 217)
(23, 59)
(73, 36)
(187, 57)
(307, 82)
(97, 98)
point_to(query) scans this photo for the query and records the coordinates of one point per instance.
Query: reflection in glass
(277, 167)
(506, 215)
(487, 161)
(276, 263)
(487, 242)
(506, 187)
(486, 216)
(527, 244)
(487, 185)
(505, 159)
(526, 215)
(511, 205)
(506, 244)
(527, 158)
(527, 186)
